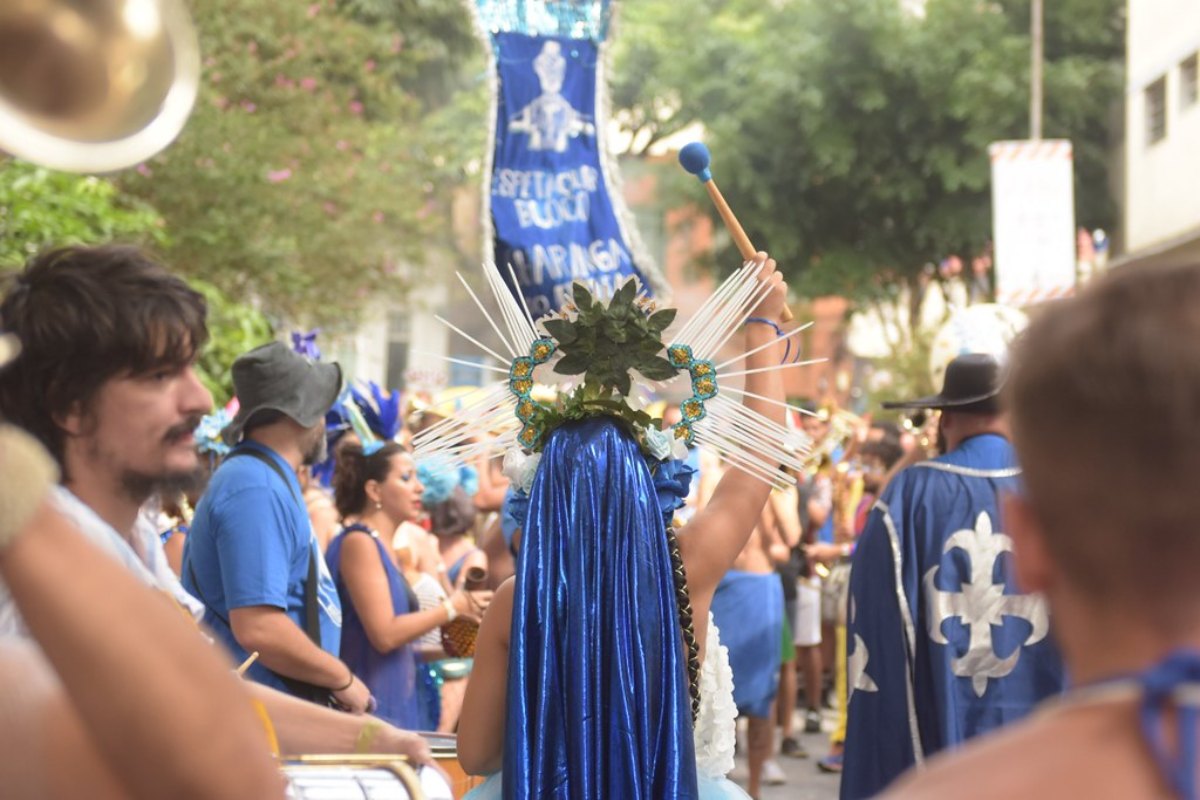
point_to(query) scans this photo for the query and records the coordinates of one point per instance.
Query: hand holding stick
(695, 158)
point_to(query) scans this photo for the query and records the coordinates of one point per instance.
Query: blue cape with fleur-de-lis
(941, 644)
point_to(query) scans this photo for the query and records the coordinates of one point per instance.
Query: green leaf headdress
(603, 347)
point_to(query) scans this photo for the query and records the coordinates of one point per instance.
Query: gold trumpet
(94, 85)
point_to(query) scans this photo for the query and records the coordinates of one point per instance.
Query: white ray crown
(504, 414)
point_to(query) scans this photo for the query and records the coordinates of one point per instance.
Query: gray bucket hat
(275, 377)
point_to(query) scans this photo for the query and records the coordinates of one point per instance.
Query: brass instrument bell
(94, 85)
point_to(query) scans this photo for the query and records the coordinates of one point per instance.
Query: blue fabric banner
(551, 212)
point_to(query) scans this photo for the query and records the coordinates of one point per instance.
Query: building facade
(1161, 205)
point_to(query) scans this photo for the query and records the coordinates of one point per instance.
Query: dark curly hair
(86, 315)
(352, 471)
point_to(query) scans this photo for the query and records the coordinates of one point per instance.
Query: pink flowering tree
(323, 136)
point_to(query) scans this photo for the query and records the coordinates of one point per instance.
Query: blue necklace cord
(1159, 684)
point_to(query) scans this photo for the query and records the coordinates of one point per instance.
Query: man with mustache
(106, 382)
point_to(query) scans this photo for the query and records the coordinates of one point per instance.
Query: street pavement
(804, 780)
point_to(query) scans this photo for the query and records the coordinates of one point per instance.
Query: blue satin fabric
(598, 703)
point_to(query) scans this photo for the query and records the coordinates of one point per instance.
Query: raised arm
(719, 532)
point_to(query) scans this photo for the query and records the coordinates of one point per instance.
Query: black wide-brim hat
(274, 377)
(973, 382)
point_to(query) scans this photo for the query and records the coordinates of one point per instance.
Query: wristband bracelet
(764, 321)
(349, 683)
(451, 611)
(779, 334)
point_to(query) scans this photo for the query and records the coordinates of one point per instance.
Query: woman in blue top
(377, 489)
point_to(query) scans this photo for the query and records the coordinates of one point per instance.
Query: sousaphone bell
(94, 85)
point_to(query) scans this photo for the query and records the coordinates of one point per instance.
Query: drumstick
(246, 664)
(695, 158)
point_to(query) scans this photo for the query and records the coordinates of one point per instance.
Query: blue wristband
(779, 333)
(764, 321)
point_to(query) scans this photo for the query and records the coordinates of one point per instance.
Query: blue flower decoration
(672, 483)
(439, 477)
(306, 344)
(513, 514)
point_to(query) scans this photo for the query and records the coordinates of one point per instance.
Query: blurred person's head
(950, 267)
(453, 516)
(816, 426)
(884, 431)
(383, 482)
(1106, 420)
(876, 459)
(106, 376)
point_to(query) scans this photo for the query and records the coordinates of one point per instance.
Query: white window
(1156, 111)
(1189, 90)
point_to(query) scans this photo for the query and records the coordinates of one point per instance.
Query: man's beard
(141, 487)
(318, 450)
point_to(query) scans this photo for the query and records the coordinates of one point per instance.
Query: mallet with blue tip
(695, 158)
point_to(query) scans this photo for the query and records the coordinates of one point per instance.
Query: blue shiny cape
(941, 644)
(598, 703)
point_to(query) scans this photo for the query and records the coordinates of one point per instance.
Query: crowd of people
(918, 587)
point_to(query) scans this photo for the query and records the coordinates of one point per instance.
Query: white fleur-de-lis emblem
(856, 664)
(982, 604)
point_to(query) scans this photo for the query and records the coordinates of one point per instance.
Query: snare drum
(365, 777)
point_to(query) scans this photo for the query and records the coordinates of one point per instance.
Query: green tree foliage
(41, 208)
(234, 328)
(850, 136)
(315, 170)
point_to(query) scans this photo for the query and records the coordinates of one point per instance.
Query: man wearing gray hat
(251, 555)
(942, 645)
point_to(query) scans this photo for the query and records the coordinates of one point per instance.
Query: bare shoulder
(502, 599)
(1077, 753)
(359, 546)
(983, 769)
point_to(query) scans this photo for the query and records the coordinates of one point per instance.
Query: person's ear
(1032, 565)
(373, 491)
(71, 422)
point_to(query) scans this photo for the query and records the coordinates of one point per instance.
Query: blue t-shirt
(825, 534)
(250, 545)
